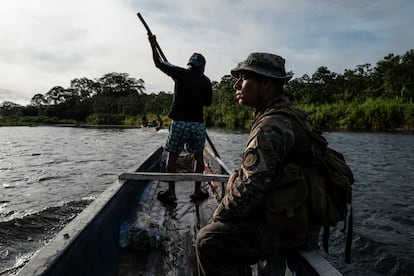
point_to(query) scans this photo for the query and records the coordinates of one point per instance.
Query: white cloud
(45, 43)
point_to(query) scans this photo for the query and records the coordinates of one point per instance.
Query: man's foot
(166, 197)
(200, 196)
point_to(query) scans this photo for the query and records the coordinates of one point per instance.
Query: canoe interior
(89, 245)
(182, 221)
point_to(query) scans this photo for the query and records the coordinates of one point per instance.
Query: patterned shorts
(188, 134)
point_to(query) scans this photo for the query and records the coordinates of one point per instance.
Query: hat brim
(236, 71)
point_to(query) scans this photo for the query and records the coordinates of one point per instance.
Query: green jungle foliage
(366, 98)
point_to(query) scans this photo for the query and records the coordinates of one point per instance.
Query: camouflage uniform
(239, 233)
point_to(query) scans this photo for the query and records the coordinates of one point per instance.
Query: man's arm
(262, 160)
(155, 54)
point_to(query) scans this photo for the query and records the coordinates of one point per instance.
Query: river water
(49, 174)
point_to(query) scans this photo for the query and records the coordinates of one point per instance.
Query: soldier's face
(247, 89)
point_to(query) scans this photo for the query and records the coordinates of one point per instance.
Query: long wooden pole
(212, 145)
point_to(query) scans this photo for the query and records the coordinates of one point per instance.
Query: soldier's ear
(267, 83)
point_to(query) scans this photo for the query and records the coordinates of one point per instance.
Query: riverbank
(405, 130)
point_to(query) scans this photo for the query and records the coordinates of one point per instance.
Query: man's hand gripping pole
(150, 34)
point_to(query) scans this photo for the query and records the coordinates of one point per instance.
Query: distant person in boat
(261, 205)
(159, 121)
(144, 121)
(192, 91)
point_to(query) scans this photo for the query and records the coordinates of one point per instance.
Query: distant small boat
(91, 244)
(154, 125)
(151, 127)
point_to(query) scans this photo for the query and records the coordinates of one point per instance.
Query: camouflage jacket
(273, 140)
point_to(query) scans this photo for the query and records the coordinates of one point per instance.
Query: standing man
(264, 210)
(192, 91)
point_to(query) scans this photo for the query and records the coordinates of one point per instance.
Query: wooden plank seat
(173, 176)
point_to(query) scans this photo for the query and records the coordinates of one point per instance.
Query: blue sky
(45, 43)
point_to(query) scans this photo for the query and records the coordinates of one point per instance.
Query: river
(49, 174)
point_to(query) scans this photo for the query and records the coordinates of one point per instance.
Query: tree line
(371, 98)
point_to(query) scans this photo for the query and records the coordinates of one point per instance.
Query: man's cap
(266, 64)
(197, 60)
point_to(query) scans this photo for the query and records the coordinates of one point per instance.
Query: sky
(46, 43)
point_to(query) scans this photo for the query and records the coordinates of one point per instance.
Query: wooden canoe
(90, 243)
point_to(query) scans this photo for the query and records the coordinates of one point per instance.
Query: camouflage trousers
(223, 248)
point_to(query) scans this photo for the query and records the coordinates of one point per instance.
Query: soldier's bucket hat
(266, 64)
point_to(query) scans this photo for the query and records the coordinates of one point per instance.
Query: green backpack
(329, 180)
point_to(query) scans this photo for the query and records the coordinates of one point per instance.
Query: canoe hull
(89, 245)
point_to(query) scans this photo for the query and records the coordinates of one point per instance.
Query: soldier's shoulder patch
(250, 158)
